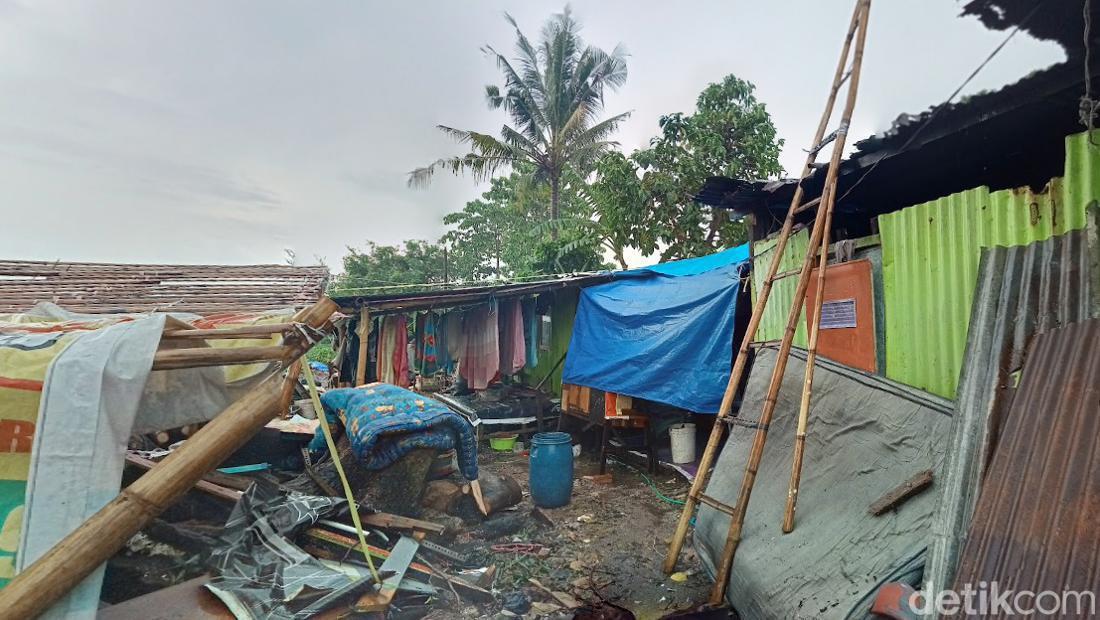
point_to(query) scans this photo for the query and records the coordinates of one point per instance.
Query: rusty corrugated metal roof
(98, 288)
(1021, 291)
(1036, 527)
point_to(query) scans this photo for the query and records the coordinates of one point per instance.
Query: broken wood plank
(435, 577)
(204, 485)
(397, 522)
(400, 558)
(908, 489)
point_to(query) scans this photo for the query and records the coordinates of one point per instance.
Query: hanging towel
(531, 331)
(481, 360)
(512, 353)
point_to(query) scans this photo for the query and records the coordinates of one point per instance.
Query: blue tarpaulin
(662, 333)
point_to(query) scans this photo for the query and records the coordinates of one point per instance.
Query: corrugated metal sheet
(1035, 527)
(930, 262)
(1021, 291)
(562, 313)
(779, 302)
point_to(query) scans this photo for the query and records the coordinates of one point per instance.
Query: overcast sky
(223, 132)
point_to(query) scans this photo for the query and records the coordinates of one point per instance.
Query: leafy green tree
(553, 92)
(502, 235)
(389, 268)
(647, 197)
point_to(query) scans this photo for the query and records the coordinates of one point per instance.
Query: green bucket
(503, 442)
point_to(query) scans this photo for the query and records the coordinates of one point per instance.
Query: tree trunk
(619, 257)
(555, 195)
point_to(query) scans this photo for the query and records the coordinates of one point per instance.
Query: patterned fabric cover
(385, 422)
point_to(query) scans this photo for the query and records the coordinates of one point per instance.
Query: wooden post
(57, 572)
(287, 396)
(718, 430)
(748, 480)
(364, 337)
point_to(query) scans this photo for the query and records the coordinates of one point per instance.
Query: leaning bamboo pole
(718, 429)
(748, 479)
(808, 377)
(57, 572)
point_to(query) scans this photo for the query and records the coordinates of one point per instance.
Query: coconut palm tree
(553, 94)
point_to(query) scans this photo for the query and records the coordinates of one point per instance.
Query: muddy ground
(608, 543)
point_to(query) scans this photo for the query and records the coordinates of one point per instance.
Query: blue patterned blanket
(384, 422)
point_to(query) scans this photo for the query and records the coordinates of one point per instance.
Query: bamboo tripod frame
(818, 245)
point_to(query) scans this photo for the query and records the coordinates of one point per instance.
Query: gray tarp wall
(867, 435)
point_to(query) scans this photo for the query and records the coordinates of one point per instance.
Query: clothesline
(479, 344)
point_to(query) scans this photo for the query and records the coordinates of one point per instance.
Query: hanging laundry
(386, 345)
(401, 351)
(427, 347)
(393, 357)
(512, 353)
(481, 359)
(531, 320)
(418, 340)
(455, 338)
(442, 353)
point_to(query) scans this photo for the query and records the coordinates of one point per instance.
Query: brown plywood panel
(847, 315)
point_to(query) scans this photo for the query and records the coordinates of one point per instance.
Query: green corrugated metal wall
(562, 313)
(930, 262)
(779, 302)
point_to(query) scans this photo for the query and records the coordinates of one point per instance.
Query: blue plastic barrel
(551, 472)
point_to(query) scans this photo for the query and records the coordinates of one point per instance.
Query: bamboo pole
(171, 359)
(243, 331)
(811, 358)
(364, 338)
(57, 572)
(717, 431)
(748, 480)
(287, 396)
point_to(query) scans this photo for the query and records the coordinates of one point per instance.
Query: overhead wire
(936, 110)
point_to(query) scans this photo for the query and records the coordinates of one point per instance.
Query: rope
(323, 419)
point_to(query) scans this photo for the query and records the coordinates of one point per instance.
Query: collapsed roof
(1007, 138)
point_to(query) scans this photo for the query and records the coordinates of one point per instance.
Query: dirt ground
(607, 544)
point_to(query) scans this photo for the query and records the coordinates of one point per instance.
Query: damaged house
(965, 255)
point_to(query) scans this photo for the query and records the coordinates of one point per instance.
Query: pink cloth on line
(481, 357)
(393, 360)
(513, 351)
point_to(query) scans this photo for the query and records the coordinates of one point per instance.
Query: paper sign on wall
(838, 314)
